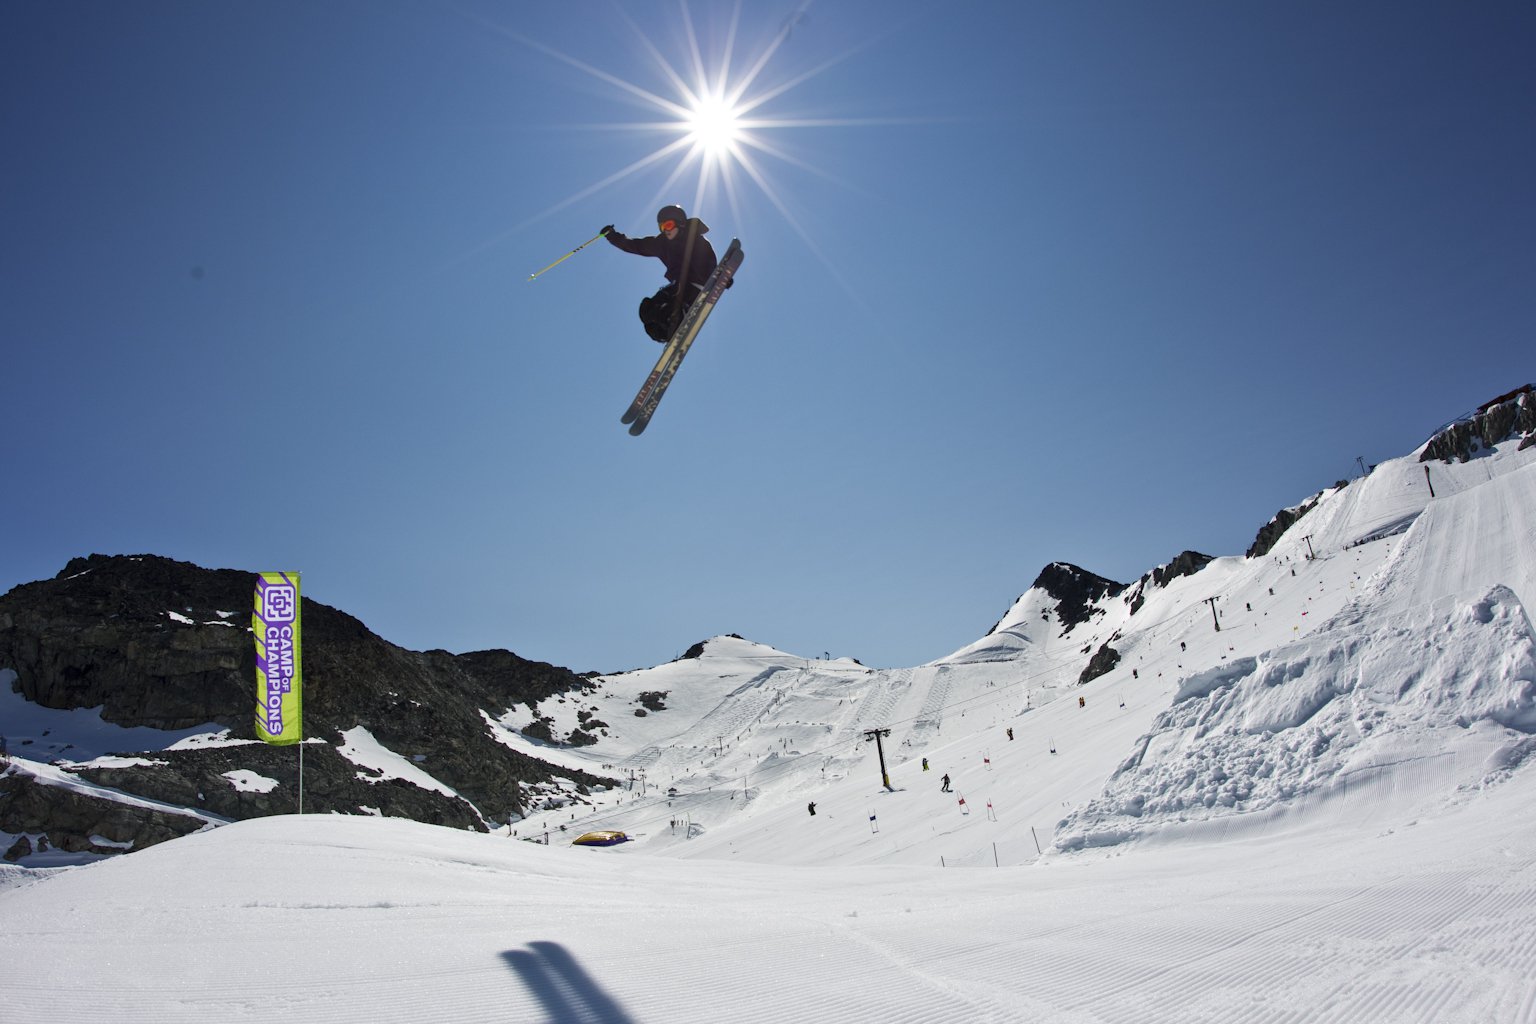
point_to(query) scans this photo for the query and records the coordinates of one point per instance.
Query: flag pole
(276, 628)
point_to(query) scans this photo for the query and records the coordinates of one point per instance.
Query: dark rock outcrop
(102, 634)
(1187, 563)
(1493, 423)
(1271, 532)
(1104, 660)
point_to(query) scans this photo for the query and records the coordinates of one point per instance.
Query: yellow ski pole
(568, 255)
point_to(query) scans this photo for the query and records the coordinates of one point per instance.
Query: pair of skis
(643, 407)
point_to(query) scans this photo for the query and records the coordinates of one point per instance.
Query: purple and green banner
(279, 676)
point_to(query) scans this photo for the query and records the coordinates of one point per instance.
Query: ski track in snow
(880, 701)
(931, 715)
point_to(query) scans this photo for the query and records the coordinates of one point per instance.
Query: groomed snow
(333, 919)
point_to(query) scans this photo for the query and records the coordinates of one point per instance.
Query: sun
(714, 127)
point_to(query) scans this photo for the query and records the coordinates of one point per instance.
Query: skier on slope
(689, 258)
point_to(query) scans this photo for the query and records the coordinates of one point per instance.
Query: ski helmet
(672, 213)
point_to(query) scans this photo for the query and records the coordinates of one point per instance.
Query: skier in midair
(689, 258)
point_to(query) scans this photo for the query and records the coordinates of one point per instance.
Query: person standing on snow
(945, 787)
(689, 258)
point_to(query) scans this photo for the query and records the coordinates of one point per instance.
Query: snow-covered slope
(1381, 600)
(1320, 810)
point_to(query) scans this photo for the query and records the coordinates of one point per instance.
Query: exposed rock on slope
(1494, 422)
(1077, 591)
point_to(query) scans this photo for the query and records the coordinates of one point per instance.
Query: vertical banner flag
(279, 679)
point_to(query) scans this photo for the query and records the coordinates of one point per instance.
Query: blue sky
(1023, 283)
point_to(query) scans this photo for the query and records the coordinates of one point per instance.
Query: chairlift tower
(875, 734)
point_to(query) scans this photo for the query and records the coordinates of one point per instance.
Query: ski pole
(568, 255)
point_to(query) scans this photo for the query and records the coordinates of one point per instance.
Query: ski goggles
(667, 225)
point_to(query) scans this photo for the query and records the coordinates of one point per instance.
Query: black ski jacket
(689, 258)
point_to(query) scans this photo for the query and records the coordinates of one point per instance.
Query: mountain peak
(1076, 591)
(699, 649)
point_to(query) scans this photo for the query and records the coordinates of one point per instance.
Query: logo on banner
(279, 603)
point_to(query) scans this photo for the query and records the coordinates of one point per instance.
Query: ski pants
(661, 313)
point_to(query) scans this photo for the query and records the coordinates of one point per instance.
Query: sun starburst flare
(716, 127)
